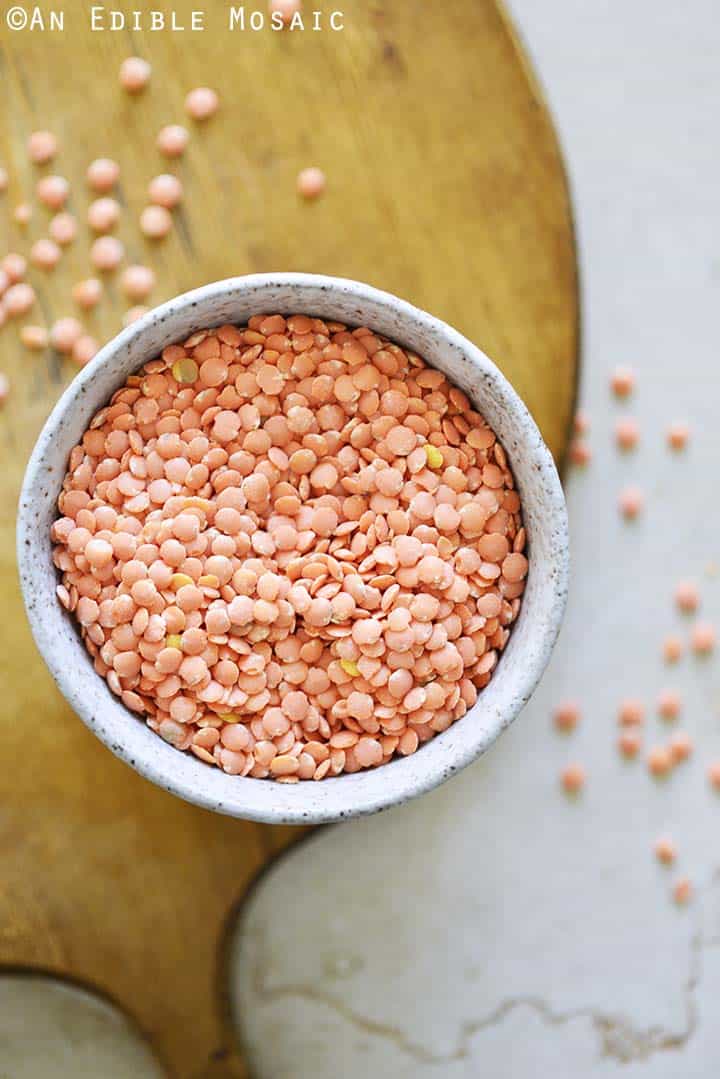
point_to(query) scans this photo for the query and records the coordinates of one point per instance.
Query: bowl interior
(533, 634)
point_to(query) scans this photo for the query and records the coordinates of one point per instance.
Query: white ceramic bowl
(543, 504)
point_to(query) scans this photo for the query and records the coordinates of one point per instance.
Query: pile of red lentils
(295, 548)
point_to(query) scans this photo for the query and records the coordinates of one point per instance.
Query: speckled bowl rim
(346, 796)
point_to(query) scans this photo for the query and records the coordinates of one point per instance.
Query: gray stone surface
(493, 928)
(54, 1029)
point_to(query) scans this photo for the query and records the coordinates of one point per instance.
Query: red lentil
(53, 191)
(134, 74)
(155, 222)
(88, 293)
(713, 774)
(42, 147)
(45, 254)
(102, 174)
(286, 9)
(165, 190)
(311, 183)
(103, 214)
(660, 761)
(573, 778)
(672, 648)
(581, 422)
(107, 253)
(665, 850)
(172, 140)
(567, 716)
(580, 453)
(63, 228)
(669, 704)
(285, 564)
(627, 433)
(34, 338)
(677, 435)
(682, 891)
(631, 502)
(622, 381)
(64, 333)
(629, 743)
(680, 746)
(201, 103)
(703, 638)
(687, 597)
(22, 214)
(631, 713)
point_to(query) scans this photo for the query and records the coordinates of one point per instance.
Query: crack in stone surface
(618, 1036)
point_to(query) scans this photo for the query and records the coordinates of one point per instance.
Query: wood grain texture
(446, 187)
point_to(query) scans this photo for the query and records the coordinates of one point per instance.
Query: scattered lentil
(107, 253)
(672, 648)
(34, 338)
(629, 743)
(137, 282)
(572, 778)
(63, 228)
(19, 299)
(677, 435)
(669, 704)
(687, 597)
(631, 713)
(311, 183)
(172, 140)
(134, 74)
(88, 293)
(659, 761)
(665, 850)
(64, 333)
(84, 349)
(53, 191)
(702, 639)
(165, 190)
(631, 502)
(42, 147)
(682, 891)
(627, 433)
(103, 214)
(45, 254)
(680, 746)
(133, 314)
(102, 175)
(201, 103)
(622, 381)
(581, 422)
(286, 9)
(580, 453)
(567, 716)
(155, 222)
(22, 214)
(14, 266)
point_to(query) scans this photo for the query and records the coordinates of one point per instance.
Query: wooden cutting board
(445, 186)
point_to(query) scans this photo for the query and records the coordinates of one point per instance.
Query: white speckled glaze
(543, 504)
